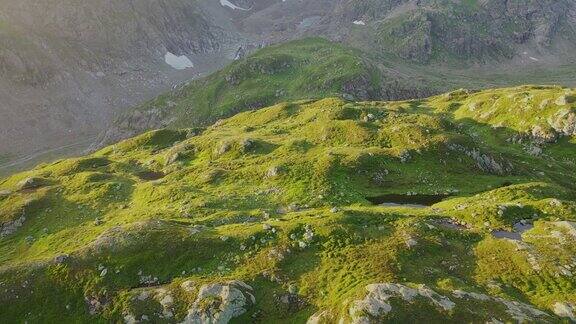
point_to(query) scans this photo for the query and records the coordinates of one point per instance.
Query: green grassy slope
(308, 68)
(279, 198)
(313, 68)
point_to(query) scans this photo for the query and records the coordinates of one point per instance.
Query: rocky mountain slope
(471, 30)
(457, 208)
(68, 67)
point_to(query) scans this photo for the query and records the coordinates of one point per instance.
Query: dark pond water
(516, 235)
(413, 201)
(150, 175)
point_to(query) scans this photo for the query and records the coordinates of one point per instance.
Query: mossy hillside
(278, 198)
(312, 68)
(309, 68)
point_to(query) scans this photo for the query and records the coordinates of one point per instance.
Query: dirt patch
(415, 201)
(150, 175)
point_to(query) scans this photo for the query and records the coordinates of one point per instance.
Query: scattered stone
(290, 303)
(555, 203)
(94, 305)
(167, 301)
(308, 234)
(61, 258)
(195, 229)
(10, 228)
(410, 242)
(31, 183)
(246, 144)
(223, 148)
(293, 289)
(405, 156)
(377, 304)
(188, 285)
(130, 319)
(543, 135)
(143, 295)
(272, 172)
(561, 101)
(219, 303)
(565, 310)
(522, 313)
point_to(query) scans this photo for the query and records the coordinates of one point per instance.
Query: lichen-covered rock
(31, 183)
(377, 305)
(219, 303)
(564, 122)
(544, 135)
(11, 227)
(520, 312)
(565, 310)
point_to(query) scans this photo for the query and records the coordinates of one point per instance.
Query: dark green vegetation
(277, 198)
(309, 68)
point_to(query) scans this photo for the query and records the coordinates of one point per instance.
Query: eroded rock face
(11, 227)
(565, 310)
(377, 305)
(219, 303)
(564, 122)
(31, 183)
(377, 302)
(484, 161)
(518, 311)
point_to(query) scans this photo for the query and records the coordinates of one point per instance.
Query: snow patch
(226, 3)
(359, 22)
(178, 62)
(308, 22)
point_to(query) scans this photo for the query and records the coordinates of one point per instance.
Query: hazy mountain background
(69, 69)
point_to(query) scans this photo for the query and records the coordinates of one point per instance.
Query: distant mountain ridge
(69, 67)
